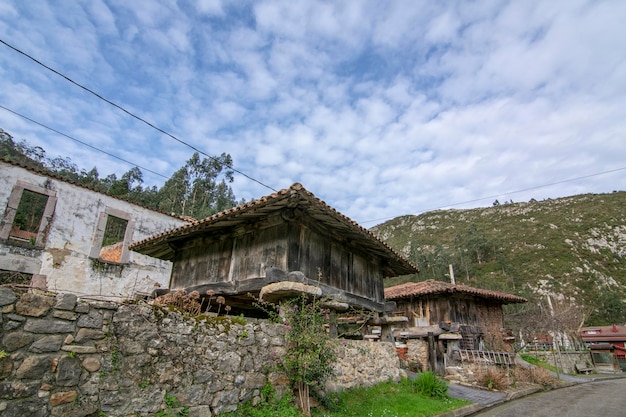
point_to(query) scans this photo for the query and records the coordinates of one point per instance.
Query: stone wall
(417, 354)
(362, 363)
(566, 361)
(72, 358)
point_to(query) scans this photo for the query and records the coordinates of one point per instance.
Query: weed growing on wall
(310, 355)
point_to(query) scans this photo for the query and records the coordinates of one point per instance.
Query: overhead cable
(134, 115)
(81, 142)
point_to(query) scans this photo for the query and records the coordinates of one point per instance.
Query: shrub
(492, 377)
(269, 406)
(310, 355)
(535, 375)
(427, 383)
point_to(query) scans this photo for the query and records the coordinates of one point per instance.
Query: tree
(196, 189)
(22, 152)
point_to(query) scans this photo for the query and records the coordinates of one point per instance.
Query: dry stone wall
(67, 357)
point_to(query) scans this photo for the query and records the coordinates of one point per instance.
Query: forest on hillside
(198, 189)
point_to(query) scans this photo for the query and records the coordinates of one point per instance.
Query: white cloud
(381, 109)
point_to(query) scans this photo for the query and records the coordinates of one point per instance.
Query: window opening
(113, 239)
(114, 231)
(28, 216)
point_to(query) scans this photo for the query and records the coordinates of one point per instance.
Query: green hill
(572, 249)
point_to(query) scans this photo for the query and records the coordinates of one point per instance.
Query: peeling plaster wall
(64, 260)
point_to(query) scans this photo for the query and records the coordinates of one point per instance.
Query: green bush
(427, 383)
(268, 407)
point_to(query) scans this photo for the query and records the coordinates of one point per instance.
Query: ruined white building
(60, 236)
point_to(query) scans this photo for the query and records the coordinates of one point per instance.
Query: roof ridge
(51, 174)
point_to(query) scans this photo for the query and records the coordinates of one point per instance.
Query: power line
(508, 193)
(81, 142)
(133, 115)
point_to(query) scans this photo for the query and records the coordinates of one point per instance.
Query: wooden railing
(487, 357)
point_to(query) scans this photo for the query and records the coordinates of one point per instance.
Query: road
(605, 398)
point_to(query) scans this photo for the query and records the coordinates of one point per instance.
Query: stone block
(91, 364)
(65, 301)
(79, 349)
(65, 315)
(7, 296)
(17, 340)
(28, 407)
(51, 343)
(34, 305)
(104, 305)
(10, 390)
(92, 320)
(82, 307)
(33, 367)
(63, 397)
(48, 326)
(68, 372)
(200, 411)
(85, 334)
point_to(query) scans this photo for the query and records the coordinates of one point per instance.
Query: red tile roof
(293, 197)
(613, 333)
(431, 287)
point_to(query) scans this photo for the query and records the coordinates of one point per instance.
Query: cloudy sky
(378, 108)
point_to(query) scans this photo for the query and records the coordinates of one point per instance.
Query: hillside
(572, 249)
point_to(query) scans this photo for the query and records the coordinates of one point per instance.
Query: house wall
(63, 262)
(246, 252)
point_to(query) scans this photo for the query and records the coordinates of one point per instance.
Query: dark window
(28, 217)
(28, 214)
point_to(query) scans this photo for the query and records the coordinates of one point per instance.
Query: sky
(380, 109)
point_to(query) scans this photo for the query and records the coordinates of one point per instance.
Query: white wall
(65, 258)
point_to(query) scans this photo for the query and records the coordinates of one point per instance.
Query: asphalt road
(604, 398)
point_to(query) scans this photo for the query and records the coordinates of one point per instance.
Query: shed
(276, 243)
(449, 323)
(477, 312)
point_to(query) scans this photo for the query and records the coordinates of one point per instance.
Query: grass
(387, 399)
(536, 361)
(390, 399)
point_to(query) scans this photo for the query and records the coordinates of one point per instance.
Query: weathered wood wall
(245, 253)
(465, 310)
(236, 256)
(336, 263)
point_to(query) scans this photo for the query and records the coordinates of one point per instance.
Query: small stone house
(61, 236)
(457, 317)
(286, 243)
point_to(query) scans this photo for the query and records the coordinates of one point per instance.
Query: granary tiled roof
(431, 287)
(295, 196)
